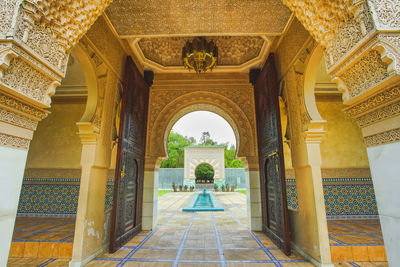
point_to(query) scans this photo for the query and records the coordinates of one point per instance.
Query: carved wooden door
(126, 220)
(270, 150)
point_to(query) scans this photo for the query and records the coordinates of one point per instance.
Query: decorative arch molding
(159, 129)
(89, 71)
(314, 125)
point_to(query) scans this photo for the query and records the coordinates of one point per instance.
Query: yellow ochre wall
(55, 143)
(343, 145)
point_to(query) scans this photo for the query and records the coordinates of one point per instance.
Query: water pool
(203, 201)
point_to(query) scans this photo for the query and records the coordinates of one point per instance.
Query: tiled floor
(43, 237)
(33, 229)
(200, 239)
(356, 240)
(194, 239)
(355, 232)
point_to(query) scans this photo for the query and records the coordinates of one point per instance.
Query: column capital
(315, 132)
(88, 133)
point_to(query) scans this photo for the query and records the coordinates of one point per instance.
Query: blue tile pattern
(53, 197)
(352, 198)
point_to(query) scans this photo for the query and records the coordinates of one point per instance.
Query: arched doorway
(48, 204)
(234, 105)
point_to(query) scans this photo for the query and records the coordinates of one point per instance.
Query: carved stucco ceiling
(233, 50)
(133, 18)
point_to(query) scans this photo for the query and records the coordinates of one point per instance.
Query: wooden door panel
(128, 185)
(270, 150)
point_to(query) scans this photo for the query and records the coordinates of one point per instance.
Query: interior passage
(194, 239)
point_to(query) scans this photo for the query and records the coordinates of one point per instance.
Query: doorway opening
(48, 203)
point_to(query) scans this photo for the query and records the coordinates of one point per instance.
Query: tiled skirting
(53, 197)
(346, 196)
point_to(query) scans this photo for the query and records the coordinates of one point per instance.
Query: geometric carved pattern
(25, 79)
(322, 18)
(368, 72)
(68, 19)
(18, 120)
(391, 136)
(386, 12)
(14, 141)
(374, 102)
(348, 35)
(237, 103)
(197, 17)
(233, 50)
(379, 114)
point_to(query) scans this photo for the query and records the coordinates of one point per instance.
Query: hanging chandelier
(200, 55)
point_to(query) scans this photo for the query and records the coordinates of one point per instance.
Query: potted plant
(174, 186)
(216, 187)
(180, 188)
(191, 188)
(185, 188)
(223, 188)
(233, 187)
(227, 187)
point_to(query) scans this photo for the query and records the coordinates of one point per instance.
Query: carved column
(364, 58)
(362, 40)
(309, 231)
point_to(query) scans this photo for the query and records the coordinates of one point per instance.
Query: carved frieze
(233, 50)
(367, 73)
(14, 141)
(21, 77)
(19, 107)
(379, 114)
(374, 102)
(18, 120)
(392, 136)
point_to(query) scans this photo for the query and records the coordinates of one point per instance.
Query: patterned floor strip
(183, 241)
(219, 243)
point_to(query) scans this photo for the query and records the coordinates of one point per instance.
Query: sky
(194, 123)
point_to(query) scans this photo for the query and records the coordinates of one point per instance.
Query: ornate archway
(236, 106)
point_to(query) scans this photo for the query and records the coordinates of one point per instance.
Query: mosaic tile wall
(344, 197)
(53, 197)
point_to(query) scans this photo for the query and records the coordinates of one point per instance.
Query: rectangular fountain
(203, 202)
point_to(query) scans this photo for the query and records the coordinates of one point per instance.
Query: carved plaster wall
(231, 95)
(362, 40)
(160, 17)
(233, 50)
